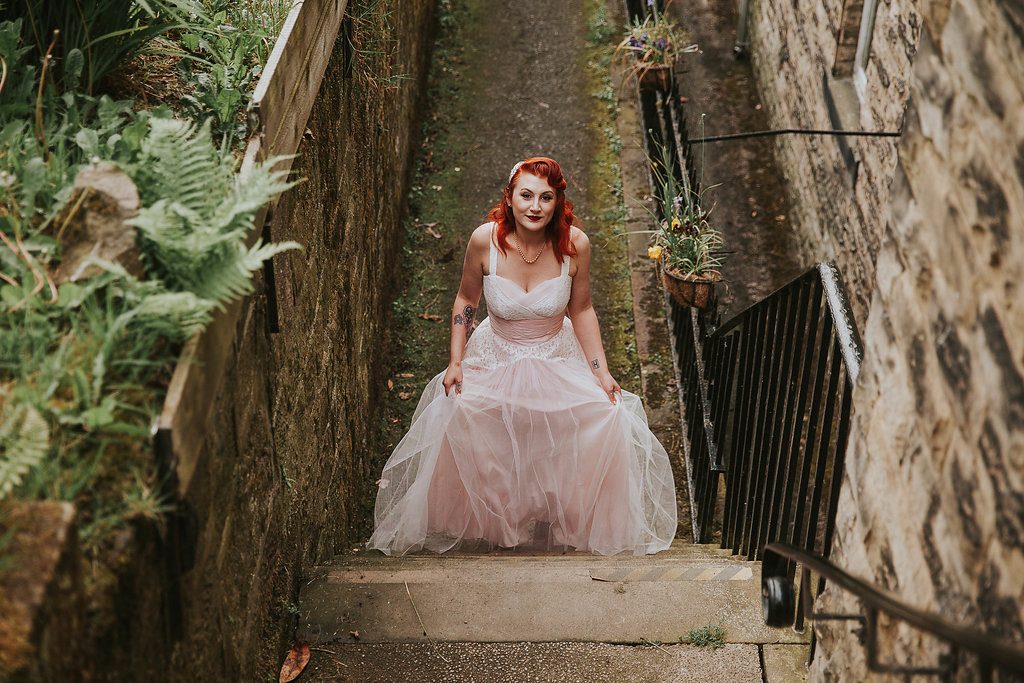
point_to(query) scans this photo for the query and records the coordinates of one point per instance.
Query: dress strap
(494, 251)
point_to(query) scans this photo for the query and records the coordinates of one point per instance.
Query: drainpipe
(740, 48)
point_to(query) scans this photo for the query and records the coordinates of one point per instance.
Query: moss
(610, 270)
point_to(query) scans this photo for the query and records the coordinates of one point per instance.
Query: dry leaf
(434, 233)
(295, 662)
(406, 375)
(391, 384)
(429, 316)
(405, 395)
(430, 225)
(354, 634)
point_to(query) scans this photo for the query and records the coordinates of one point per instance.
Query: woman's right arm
(466, 302)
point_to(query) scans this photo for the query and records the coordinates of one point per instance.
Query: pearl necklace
(523, 256)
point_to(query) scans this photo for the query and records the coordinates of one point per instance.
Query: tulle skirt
(532, 453)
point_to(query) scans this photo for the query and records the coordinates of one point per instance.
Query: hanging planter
(691, 291)
(651, 47)
(658, 77)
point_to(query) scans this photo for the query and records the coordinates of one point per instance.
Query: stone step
(506, 597)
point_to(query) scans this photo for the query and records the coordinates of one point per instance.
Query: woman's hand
(608, 383)
(453, 378)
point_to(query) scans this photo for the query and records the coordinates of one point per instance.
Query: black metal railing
(777, 572)
(766, 397)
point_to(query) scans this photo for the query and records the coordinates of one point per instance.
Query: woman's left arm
(584, 318)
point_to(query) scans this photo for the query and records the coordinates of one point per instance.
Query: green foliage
(83, 366)
(688, 244)
(24, 440)
(95, 36)
(712, 635)
(226, 53)
(194, 233)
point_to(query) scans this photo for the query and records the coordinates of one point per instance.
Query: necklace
(523, 256)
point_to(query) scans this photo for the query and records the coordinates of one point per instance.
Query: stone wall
(839, 186)
(285, 477)
(284, 480)
(932, 507)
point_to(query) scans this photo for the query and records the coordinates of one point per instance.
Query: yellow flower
(675, 223)
(654, 252)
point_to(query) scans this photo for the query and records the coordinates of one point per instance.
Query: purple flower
(633, 42)
(644, 38)
(650, 3)
(677, 203)
(662, 43)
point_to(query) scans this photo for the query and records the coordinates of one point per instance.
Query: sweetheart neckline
(535, 287)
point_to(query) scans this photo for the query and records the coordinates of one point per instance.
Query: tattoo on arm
(466, 317)
(595, 364)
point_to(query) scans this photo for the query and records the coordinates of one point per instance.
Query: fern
(24, 443)
(200, 213)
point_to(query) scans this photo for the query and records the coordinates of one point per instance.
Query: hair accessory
(514, 169)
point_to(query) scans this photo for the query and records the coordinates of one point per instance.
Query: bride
(527, 439)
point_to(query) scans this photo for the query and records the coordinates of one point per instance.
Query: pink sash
(532, 331)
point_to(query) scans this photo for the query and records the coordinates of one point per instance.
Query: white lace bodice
(524, 324)
(509, 301)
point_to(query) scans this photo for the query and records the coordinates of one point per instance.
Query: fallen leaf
(430, 225)
(406, 375)
(429, 316)
(405, 395)
(781, 218)
(394, 420)
(391, 384)
(295, 662)
(434, 233)
(437, 188)
(354, 634)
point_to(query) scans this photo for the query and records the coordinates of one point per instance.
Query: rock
(92, 223)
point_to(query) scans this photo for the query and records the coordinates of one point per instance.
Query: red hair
(559, 230)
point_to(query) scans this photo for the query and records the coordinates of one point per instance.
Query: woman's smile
(532, 201)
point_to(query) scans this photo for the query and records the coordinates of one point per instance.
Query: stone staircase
(513, 616)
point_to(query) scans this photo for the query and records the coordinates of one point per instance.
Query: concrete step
(535, 662)
(519, 597)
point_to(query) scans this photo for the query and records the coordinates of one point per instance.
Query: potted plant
(655, 43)
(685, 245)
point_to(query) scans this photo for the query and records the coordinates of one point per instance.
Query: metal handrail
(776, 566)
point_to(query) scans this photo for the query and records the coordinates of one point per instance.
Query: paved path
(512, 616)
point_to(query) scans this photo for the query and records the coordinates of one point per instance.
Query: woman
(526, 438)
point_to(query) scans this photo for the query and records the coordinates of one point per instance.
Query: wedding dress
(532, 452)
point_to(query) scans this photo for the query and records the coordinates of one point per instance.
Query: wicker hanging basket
(697, 291)
(656, 78)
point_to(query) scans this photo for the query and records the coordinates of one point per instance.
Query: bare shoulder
(479, 241)
(579, 240)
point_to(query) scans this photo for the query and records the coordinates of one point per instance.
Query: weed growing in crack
(712, 636)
